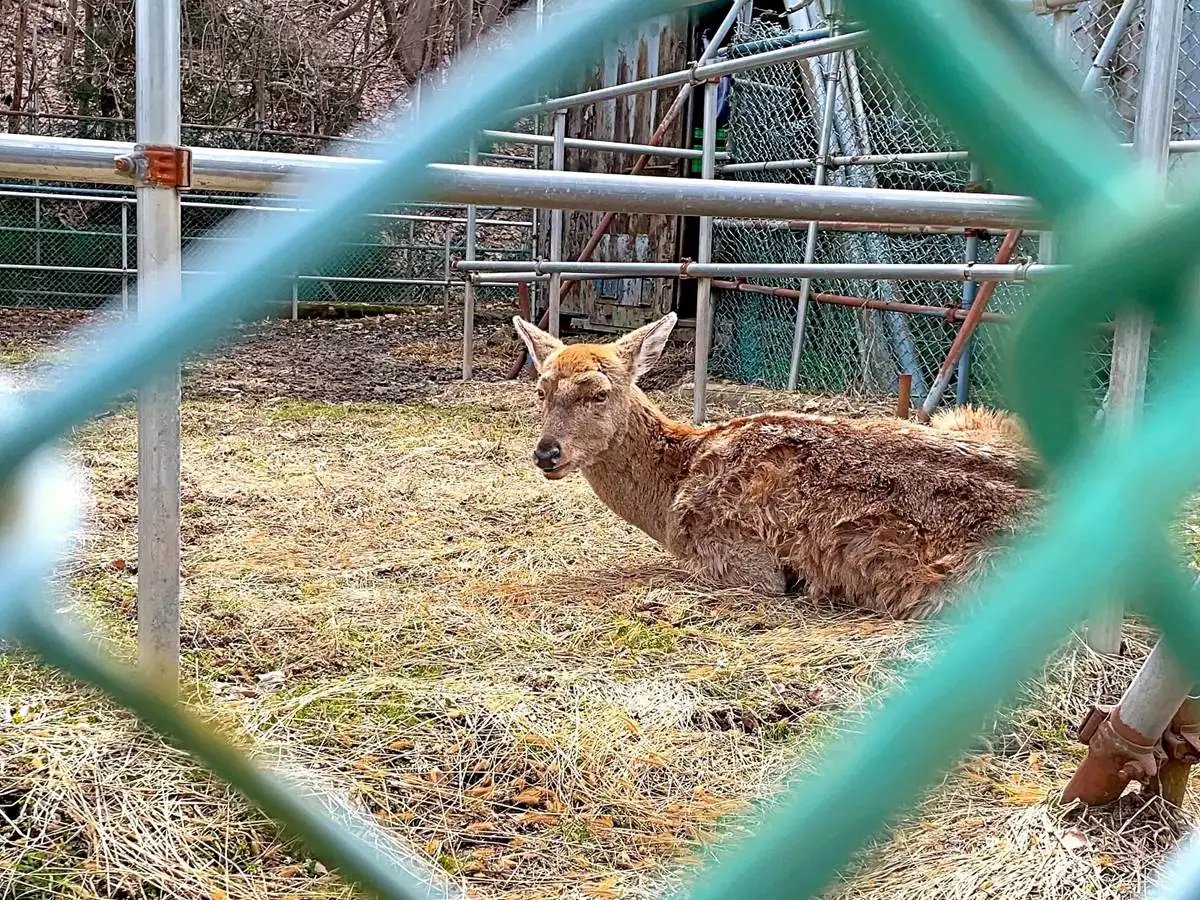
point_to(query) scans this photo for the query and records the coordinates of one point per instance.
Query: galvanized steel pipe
(68, 159)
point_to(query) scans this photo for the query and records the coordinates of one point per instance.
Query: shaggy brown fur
(882, 514)
(979, 423)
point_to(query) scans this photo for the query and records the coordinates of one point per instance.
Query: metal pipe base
(1117, 754)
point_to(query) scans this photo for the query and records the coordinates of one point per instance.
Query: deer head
(586, 391)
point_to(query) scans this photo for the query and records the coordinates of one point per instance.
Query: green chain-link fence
(66, 246)
(1105, 532)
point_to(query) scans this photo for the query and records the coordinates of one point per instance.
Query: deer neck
(639, 475)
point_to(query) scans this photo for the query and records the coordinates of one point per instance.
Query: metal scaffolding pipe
(545, 140)
(160, 286)
(68, 159)
(975, 272)
(468, 337)
(1131, 343)
(885, 159)
(1105, 54)
(704, 305)
(736, 51)
(696, 74)
(1122, 742)
(801, 225)
(861, 159)
(557, 220)
(810, 239)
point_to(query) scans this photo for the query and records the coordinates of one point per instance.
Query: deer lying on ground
(882, 514)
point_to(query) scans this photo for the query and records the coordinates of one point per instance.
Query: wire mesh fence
(70, 247)
(775, 115)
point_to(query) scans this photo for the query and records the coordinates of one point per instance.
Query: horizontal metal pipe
(547, 140)
(802, 225)
(132, 270)
(735, 51)
(699, 197)
(884, 159)
(130, 200)
(697, 73)
(866, 159)
(884, 271)
(66, 159)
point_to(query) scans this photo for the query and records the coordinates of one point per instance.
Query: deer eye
(541, 392)
(598, 398)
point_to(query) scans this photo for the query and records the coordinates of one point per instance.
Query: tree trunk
(68, 50)
(18, 66)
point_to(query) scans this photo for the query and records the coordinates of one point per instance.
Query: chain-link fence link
(775, 115)
(66, 246)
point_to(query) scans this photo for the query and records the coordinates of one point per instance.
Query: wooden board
(656, 47)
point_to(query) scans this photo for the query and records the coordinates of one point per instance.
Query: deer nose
(547, 453)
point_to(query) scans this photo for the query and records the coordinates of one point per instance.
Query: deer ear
(641, 349)
(539, 343)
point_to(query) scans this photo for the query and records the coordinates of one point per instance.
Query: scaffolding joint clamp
(683, 268)
(157, 165)
(1182, 743)
(1127, 753)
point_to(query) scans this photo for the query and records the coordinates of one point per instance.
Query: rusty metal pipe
(902, 402)
(973, 318)
(950, 313)
(523, 300)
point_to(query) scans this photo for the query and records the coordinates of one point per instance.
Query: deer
(884, 515)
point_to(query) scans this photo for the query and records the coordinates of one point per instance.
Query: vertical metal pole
(704, 307)
(447, 270)
(969, 290)
(810, 243)
(159, 287)
(469, 285)
(1131, 342)
(535, 237)
(37, 227)
(124, 258)
(295, 298)
(556, 222)
(1061, 42)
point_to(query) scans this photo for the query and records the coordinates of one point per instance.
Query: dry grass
(514, 682)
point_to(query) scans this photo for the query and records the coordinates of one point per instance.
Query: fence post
(124, 257)
(1131, 342)
(704, 308)
(159, 287)
(810, 241)
(469, 284)
(556, 222)
(295, 297)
